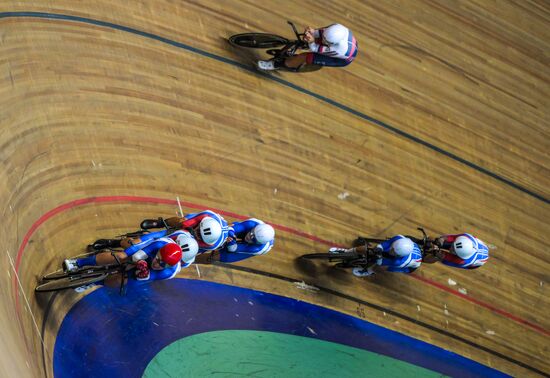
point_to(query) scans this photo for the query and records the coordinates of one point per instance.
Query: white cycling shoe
(69, 265)
(337, 250)
(266, 65)
(360, 272)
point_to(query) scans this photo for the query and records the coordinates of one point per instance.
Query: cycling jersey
(346, 49)
(479, 258)
(399, 264)
(238, 249)
(192, 221)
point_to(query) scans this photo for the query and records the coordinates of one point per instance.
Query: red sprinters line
(135, 199)
(482, 304)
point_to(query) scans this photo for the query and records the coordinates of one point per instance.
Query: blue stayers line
(283, 82)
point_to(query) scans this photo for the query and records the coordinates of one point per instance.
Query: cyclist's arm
(451, 260)
(386, 244)
(150, 248)
(153, 235)
(251, 249)
(164, 274)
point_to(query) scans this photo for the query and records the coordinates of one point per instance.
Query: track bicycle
(278, 47)
(349, 259)
(61, 280)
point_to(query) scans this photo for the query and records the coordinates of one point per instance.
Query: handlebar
(299, 36)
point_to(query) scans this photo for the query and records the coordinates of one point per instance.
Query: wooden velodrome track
(442, 122)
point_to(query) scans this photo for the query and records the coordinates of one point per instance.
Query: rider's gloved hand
(308, 35)
(142, 270)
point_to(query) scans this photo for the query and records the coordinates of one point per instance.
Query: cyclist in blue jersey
(398, 254)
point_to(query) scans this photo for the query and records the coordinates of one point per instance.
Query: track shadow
(245, 56)
(316, 270)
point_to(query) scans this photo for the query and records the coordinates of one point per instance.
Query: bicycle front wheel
(86, 270)
(55, 275)
(70, 282)
(258, 40)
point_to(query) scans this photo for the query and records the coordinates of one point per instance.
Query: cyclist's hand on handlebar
(308, 35)
(142, 270)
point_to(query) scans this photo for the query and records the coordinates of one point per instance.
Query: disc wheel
(258, 40)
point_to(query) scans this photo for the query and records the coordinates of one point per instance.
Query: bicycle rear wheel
(70, 282)
(258, 40)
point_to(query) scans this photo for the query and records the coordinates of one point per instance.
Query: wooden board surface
(90, 110)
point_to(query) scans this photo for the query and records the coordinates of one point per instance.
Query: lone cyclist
(331, 46)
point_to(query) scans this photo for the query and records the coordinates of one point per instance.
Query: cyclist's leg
(325, 60)
(296, 61)
(128, 242)
(102, 258)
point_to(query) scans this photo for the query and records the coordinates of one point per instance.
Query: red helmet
(170, 253)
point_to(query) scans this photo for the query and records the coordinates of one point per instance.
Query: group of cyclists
(162, 254)
(159, 255)
(404, 255)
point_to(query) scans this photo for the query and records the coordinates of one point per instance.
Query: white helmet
(211, 230)
(403, 247)
(189, 248)
(335, 34)
(464, 247)
(264, 233)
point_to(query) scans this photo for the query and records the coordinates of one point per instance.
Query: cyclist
(249, 238)
(399, 254)
(154, 259)
(332, 46)
(208, 228)
(459, 251)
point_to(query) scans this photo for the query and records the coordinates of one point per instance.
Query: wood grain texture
(88, 111)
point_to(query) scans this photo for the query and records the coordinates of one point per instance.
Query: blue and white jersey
(479, 258)
(405, 264)
(193, 220)
(150, 246)
(173, 235)
(238, 249)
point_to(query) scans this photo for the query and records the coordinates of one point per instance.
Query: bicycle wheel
(257, 40)
(55, 275)
(86, 270)
(70, 282)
